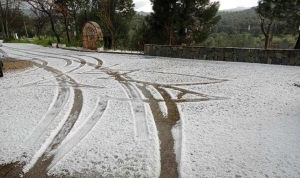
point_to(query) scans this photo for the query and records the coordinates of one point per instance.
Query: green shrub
(100, 43)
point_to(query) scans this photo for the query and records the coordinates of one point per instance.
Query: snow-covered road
(111, 115)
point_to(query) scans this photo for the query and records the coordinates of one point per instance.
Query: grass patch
(44, 42)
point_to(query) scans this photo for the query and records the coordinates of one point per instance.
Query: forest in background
(242, 29)
(124, 28)
(239, 29)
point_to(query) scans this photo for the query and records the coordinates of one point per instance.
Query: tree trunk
(6, 19)
(297, 46)
(113, 41)
(267, 41)
(2, 20)
(67, 29)
(53, 28)
(272, 33)
(266, 32)
(76, 26)
(170, 38)
(2, 28)
(38, 33)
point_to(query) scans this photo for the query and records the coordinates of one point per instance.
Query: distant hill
(27, 12)
(235, 9)
(233, 22)
(143, 13)
(247, 21)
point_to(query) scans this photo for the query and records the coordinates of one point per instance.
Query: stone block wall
(251, 55)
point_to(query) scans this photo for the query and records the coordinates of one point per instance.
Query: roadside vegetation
(44, 41)
(272, 24)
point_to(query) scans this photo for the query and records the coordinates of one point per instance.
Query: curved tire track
(82, 131)
(44, 160)
(58, 104)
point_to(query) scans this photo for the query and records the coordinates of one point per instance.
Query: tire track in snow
(137, 102)
(43, 163)
(57, 105)
(68, 61)
(169, 165)
(168, 158)
(81, 132)
(176, 87)
(73, 116)
(139, 113)
(40, 166)
(82, 62)
(8, 169)
(164, 126)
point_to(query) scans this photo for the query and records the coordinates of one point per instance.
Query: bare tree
(266, 31)
(46, 7)
(62, 9)
(6, 18)
(39, 21)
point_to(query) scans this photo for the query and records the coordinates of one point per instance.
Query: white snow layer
(163, 108)
(251, 131)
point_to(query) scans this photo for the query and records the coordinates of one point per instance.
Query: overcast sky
(145, 5)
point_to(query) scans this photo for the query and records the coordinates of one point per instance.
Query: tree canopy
(182, 21)
(287, 10)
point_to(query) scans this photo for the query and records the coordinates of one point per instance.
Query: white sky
(145, 5)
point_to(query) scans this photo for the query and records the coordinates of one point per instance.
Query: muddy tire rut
(164, 124)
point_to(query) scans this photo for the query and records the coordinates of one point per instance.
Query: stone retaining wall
(252, 55)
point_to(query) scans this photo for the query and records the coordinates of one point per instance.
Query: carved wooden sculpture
(91, 33)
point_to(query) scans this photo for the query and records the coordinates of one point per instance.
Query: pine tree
(183, 21)
(162, 21)
(196, 20)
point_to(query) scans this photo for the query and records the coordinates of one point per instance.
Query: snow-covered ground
(101, 114)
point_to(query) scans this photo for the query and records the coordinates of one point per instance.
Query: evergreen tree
(162, 21)
(182, 22)
(196, 19)
(116, 16)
